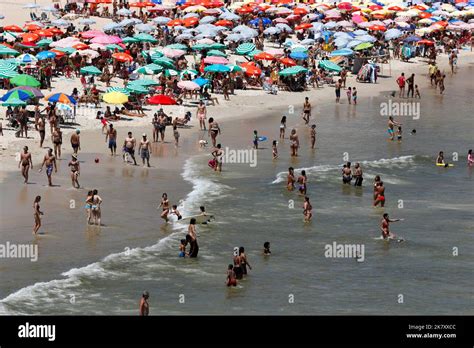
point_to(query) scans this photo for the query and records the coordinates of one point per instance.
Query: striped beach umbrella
(170, 72)
(25, 80)
(17, 94)
(90, 70)
(245, 48)
(293, 70)
(138, 89)
(144, 82)
(7, 51)
(143, 37)
(150, 69)
(60, 98)
(118, 89)
(164, 62)
(14, 102)
(192, 73)
(155, 55)
(26, 59)
(44, 42)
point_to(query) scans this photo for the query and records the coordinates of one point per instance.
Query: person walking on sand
(37, 214)
(306, 110)
(201, 114)
(313, 136)
(57, 138)
(76, 141)
(41, 129)
(144, 149)
(111, 136)
(144, 305)
(165, 205)
(162, 121)
(50, 162)
(282, 127)
(26, 163)
(401, 85)
(75, 171)
(214, 130)
(294, 143)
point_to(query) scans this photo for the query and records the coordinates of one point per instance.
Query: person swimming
(176, 212)
(266, 249)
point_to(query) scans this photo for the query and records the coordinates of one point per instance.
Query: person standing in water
(111, 135)
(337, 89)
(349, 95)
(440, 158)
(95, 208)
(470, 158)
(201, 114)
(37, 214)
(313, 136)
(274, 150)
(307, 210)
(145, 150)
(294, 143)
(218, 155)
(231, 276)
(26, 163)
(391, 124)
(306, 110)
(129, 146)
(50, 162)
(266, 249)
(191, 238)
(347, 173)
(282, 127)
(243, 261)
(290, 181)
(358, 175)
(379, 194)
(302, 180)
(144, 305)
(255, 139)
(401, 85)
(214, 130)
(385, 227)
(75, 171)
(76, 141)
(88, 206)
(354, 95)
(165, 205)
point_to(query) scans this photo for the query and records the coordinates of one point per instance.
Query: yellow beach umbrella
(115, 98)
(197, 8)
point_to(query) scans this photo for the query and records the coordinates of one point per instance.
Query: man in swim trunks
(156, 128)
(129, 146)
(26, 163)
(391, 124)
(50, 162)
(379, 194)
(57, 138)
(385, 226)
(401, 85)
(111, 135)
(347, 173)
(162, 121)
(76, 141)
(302, 179)
(145, 150)
(75, 170)
(306, 110)
(411, 85)
(358, 175)
(144, 305)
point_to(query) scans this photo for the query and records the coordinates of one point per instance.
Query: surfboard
(396, 239)
(262, 138)
(445, 165)
(200, 219)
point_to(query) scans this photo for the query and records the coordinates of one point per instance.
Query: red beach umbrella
(122, 57)
(14, 28)
(161, 99)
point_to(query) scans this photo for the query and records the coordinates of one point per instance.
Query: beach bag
(212, 163)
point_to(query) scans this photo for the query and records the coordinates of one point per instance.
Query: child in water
(231, 280)
(274, 149)
(176, 212)
(182, 248)
(399, 133)
(349, 95)
(354, 95)
(266, 249)
(255, 140)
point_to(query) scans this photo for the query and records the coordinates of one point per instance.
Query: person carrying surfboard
(385, 227)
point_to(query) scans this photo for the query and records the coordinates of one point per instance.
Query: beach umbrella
(245, 48)
(217, 46)
(124, 12)
(234, 37)
(190, 72)
(7, 69)
(172, 53)
(7, 51)
(137, 89)
(33, 26)
(161, 20)
(170, 72)
(44, 42)
(14, 102)
(91, 33)
(87, 21)
(129, 39)
(60, 98)
(293, 70)
(299, 55)
(287, 62)
(217, 68)
(328, 65)
(224, 23)
(113, 47)
(284, 27)
(122, 57)
(118, 89)
(178, 46)
(363, 46)
(216, 60)
(264, 56)
(342, 52)
(253, 53)
(35, 91)
(164, 62)
(207, 20)
(31, 6)
(161, 99)
(145, 82)
(45, 55)
(60, 23)
(154, 55)
(216, 53)
(17, 94)
(143, 37)
(24, 80)
(106, 39)
(13, 28)
(153, 68)
(26, 59)
(58, 52)
(66, 42)
(188, 85)
(111, 26)
(115, 98)
(146, 28)
(183, 37)
(393, 33)
(201, 81)
(90, 70)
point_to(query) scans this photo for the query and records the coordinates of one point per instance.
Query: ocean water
(252, 206)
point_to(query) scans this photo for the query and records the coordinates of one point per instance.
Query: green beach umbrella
(245, 48)
(217, 46)
(143, 37)
(363, 46)
(67, 50)
(14, 102)
(216, 53)
(113, 47)
(293, 70)
(188, 72)
(144, 82)
(138, 89)
(150, 69)
(178, 46)
(235, 67)
(217, 68)
(90, 70)
(25, 80)
(129, 39)
(299, 49)
(254, 52)
(201, 47)
(328, 65)
(118, 89)
(7, 51)
(6, 65)
(44, 42)
(171, 72)
(156, 55)
(164, 62)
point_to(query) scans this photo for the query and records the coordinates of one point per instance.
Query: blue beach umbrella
(299, 55)
(45, 55)
(217, 68)
(201, 81)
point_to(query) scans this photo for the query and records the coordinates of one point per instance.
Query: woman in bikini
(307, 210)
(96, 212)
(214, 130)
(165, 205)
(290, 182)
(282, 127)
(201, 115)
(294, 143)
(88, 206)
(75, 168)
(37, 214)
(57, 138)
